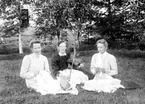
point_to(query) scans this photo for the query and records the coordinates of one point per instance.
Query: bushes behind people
(12, 52)
(5, 49)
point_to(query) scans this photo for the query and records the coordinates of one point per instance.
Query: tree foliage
(10, 18)
(113, 19)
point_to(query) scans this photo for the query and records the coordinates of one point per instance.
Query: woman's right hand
(33, 74)
(97, 70)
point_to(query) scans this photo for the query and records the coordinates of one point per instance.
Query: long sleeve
(46, 65)
(113, 65)
(55, 66)
(93, 61)
(24, 73)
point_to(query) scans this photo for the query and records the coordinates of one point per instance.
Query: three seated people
(62, 77)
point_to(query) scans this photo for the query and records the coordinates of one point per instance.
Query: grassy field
(131, 71)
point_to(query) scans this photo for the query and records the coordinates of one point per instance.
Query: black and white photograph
(72, 51)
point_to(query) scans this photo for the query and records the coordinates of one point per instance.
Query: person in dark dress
(61, 64)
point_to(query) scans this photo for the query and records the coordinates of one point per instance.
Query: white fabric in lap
(77, 77)
(103, 83)
(47, 85)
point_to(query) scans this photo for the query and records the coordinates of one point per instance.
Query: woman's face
(101, 48)
(36, 48)
(62, 47)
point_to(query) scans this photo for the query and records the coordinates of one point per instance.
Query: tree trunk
(79, 33)
(20, 36)
(20, 43)
(110, 20)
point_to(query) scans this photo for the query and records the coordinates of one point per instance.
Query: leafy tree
(113, 19)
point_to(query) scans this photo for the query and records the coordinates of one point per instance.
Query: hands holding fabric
(97, 70)
(33, 74)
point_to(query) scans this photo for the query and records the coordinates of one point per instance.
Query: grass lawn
(131, 71)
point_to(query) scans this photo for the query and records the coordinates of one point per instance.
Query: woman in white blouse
(103, 61)
(103, 66)
(35, 71)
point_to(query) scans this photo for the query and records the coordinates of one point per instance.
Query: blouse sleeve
(55, 66)
(46, 65)
(24, 73)
(113, 65)
(93, 61)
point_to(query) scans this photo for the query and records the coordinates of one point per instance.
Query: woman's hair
(61, 42)
(35, 42)
(102, 41)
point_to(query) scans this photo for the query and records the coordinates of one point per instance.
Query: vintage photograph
(72, 51)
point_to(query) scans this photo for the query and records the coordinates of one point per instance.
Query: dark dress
(59, 63)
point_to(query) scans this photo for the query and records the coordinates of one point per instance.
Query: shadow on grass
(128, 53)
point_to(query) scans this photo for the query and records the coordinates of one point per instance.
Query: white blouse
(103, 82)
(31, 64)
(106, 61)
